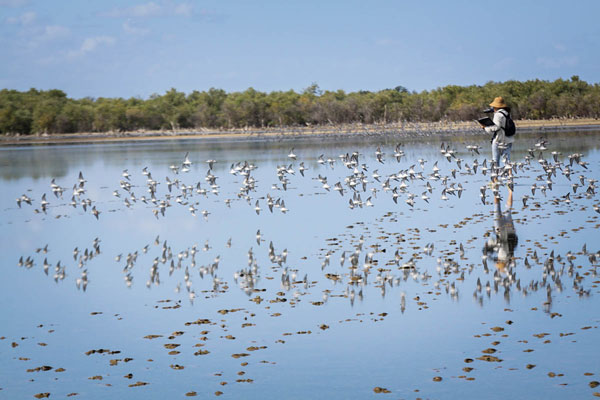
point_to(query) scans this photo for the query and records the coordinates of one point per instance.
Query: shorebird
(474, 148)
(379, 155)
(186, 162)
(302, 168)
(291, 154)
(44, 204)
(258, 237)
(283, 208)
(257, 208)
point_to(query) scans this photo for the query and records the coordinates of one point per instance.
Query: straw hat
(498, 102)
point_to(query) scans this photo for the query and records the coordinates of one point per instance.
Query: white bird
(186, 162)
(257, 208)
(292, 155)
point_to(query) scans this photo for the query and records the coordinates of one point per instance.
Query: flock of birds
(356, 179)
(404, 251)
(413, 183)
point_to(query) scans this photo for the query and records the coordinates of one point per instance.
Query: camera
(488, 110)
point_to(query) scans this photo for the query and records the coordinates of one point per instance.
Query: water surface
(146, 305)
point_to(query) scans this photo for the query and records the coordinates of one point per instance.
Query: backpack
(509, 126)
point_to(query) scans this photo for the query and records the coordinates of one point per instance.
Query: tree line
(51, 111)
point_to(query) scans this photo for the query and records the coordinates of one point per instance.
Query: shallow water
(404, 311)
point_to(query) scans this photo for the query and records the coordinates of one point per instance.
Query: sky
(113, 48)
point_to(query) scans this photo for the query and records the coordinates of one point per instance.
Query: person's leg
(495, 159)
(495, 153)
(507, 156)
(507, 152)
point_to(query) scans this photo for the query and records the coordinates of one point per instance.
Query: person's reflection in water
(500, 247)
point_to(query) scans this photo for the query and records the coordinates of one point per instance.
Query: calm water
(182, 304)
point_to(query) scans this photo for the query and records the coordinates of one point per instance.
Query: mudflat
(407, 129)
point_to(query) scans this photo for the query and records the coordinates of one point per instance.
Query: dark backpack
(509, 126)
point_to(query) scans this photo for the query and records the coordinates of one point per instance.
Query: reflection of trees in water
(55, 160)
(33, 162)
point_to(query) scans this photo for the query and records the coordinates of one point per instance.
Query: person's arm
(498, 123)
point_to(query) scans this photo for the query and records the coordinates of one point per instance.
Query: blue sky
(115, 48)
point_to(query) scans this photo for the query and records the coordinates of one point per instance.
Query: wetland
(343, 267)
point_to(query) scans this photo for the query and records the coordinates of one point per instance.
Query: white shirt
(498, 127)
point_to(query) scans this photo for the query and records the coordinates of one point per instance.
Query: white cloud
(560, 47)
(40, 35)
(384, 42)
(13, 3)
(129, 27)
(146, 10)
(184, 9)
(558, 62)
(152, 9)
(52, 32)
(90, 44)
(504, 63)
(32, 34)
(24, 19)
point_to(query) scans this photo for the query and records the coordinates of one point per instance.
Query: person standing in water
(501, 144)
